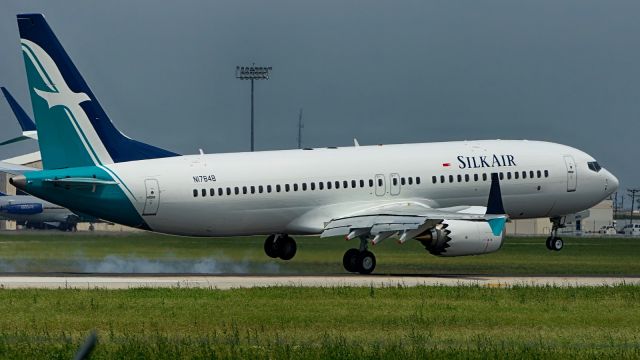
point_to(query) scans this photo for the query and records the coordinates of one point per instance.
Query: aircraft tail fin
(73, 129)
(27, 125)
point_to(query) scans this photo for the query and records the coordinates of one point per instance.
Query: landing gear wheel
(270, 246)
(548, 243)
(350, 260)
(286, 248)
(557, 244)
(366, 262)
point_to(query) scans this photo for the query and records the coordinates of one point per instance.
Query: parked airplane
(27, 125)
(34, 213)
(453, 197)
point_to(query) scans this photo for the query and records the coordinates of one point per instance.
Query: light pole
(252, 72)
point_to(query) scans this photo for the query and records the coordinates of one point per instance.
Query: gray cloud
(386, 72)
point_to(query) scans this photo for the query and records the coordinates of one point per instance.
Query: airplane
(453, 197)
(32, 212)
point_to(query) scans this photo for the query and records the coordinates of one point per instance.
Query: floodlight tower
(252, 73)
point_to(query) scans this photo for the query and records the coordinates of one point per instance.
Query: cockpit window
(594, 166)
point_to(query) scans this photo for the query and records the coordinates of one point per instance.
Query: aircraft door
(381, 188)
(395, 184)
(572, 176)
(153, 197)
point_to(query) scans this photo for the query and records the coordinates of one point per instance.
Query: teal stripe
(73, 118)
(41, 68)
(121, 182)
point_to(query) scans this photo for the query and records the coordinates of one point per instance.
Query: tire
(270, 247)
(350, 260)
(366, 262)
(286, 248)
(557, 244)
(549, 243)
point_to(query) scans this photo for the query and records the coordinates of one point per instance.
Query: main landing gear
(553, 241)
(280, 246)
(359, 260)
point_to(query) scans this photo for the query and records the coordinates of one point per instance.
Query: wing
(410, 219)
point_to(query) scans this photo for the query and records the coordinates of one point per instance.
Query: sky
(566, 71)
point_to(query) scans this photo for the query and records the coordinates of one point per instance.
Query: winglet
(25, 121)
(2, 194)
(494, 204)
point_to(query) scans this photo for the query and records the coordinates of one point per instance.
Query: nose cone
(19, 181)
(612, 182)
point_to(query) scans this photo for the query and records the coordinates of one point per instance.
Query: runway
(131, 281)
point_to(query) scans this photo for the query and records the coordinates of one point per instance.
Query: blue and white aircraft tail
(73, 129)
(27, 125)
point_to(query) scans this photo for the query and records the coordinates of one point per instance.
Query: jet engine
(22, 209)
(460, 238)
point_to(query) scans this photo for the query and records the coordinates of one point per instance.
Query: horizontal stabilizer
(81, 181)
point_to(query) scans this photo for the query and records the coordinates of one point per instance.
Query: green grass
(57, 252)
(349, 323)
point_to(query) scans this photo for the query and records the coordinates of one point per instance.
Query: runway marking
(231, 282)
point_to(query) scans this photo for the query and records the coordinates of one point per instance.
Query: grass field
(314, 323)
(59, 252)
(345, 323)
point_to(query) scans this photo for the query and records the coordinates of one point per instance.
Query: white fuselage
(169, 192)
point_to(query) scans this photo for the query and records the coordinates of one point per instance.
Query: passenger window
(353, 184)
(402, 181)
(295, 187)
(304, 186)
(466, 177)
(321, 185)
(361, 183)
(220, 192)
(546, 173)
(287, 188)
(253, 189)
(244, 190)
(531, 175)
(417, 180)
(410, 180)
(394, 181)
(212, 192)
(475, 177)
(524, 174)
(459, 178)
(278, 188)
(313, 186)
(484, 177)
(508, 175)
(328, 185)
(228, 191)
(345, 184)
(442, 179)
(379, 182)
(434, 179)
(269, 189)
(516, 174)
(237, 190)
(501, 176)
(195, 192)
(260, 189)
(204, 192)
(450, 178)
(539, 173)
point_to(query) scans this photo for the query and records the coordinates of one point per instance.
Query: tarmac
(131, 281)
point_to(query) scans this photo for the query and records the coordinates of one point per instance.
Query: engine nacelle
(460, 238)
(23, 209)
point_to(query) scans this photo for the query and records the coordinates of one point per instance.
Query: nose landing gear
(280, 246)
(554, 242)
